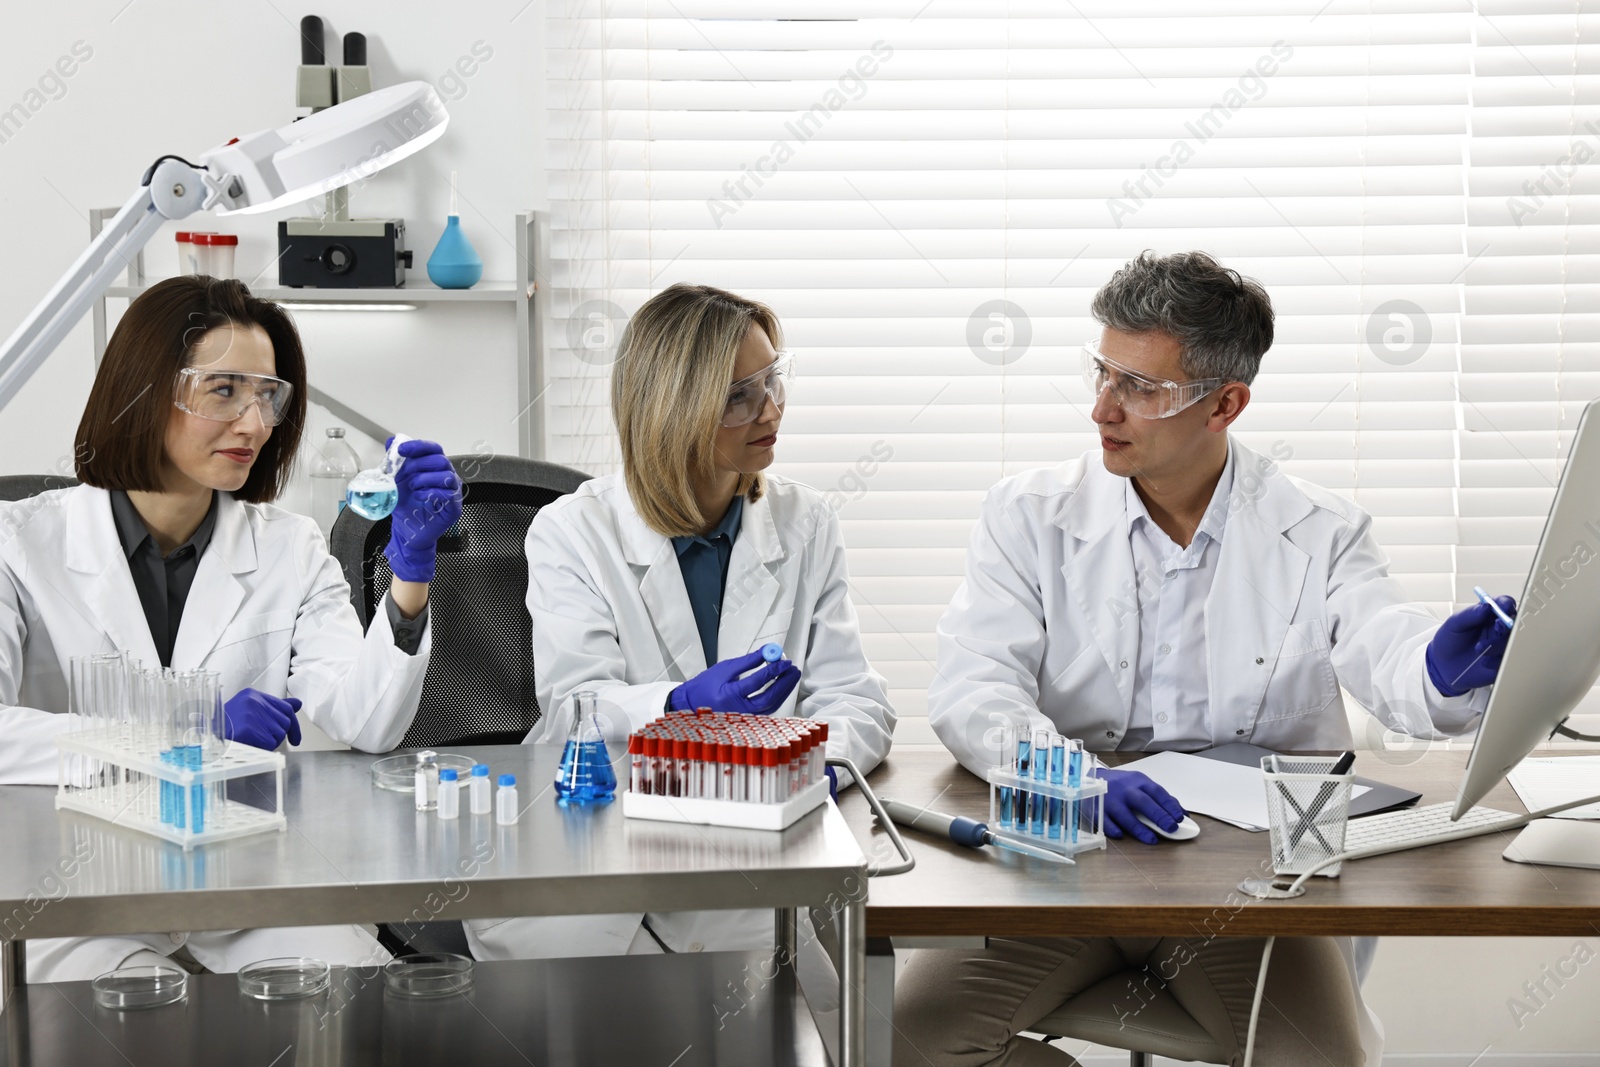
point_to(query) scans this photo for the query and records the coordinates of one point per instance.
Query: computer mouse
(1187, 829)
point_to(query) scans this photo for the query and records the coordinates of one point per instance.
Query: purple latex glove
(735, 685)
(261, 719)
(1132, 793)
(429, 504)
(1466, 649)
(833, 782)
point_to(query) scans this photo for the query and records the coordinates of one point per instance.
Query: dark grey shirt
(163, 583)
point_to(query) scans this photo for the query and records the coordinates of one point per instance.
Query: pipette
(961, 830)
(1505, 620)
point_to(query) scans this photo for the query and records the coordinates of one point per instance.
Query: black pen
(1308, 818)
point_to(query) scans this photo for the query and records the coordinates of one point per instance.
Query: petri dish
(428, 974)
(398, 774)
(284, 978)
(131, 988)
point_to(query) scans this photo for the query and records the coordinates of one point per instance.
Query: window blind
(930, 193)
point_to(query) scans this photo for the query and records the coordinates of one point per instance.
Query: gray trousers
(963, 1008)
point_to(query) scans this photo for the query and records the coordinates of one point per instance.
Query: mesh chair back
(22, 486)
(479, 685)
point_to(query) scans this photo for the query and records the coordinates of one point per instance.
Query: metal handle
(874, 870)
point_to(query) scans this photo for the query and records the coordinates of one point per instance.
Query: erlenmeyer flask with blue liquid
(372, 493)
(586, 776)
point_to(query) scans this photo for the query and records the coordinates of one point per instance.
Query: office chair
(22, 486)
(479, 685)
(1160, 1028)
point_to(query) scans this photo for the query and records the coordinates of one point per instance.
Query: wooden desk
(1188, 888)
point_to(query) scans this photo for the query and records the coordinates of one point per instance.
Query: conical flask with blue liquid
(586, 776)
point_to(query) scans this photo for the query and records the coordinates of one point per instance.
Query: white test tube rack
(744, 814)
(1084, 799)
(101, 776)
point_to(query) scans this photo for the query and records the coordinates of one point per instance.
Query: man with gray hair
(1175, 590)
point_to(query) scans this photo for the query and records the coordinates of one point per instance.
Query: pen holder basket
(1307, 811)
(1062, 818)
(108, 774)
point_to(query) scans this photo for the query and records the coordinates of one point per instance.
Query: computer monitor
(1553, 657)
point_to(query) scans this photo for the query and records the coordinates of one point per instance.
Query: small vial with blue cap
(478, 786)
(772, 652)
(505, 801)
(449, 794)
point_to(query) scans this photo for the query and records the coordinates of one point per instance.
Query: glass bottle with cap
(332, 467)
(427, 780)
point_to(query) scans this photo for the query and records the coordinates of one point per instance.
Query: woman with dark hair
(172, 552)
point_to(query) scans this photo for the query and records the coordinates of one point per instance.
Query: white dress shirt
(1170, 686)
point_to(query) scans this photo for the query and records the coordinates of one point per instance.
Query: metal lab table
(650, 1011)
(356, 854)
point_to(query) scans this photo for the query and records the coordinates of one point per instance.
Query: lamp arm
(173, 190)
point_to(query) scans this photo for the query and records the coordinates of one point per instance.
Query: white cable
(1255, 1008)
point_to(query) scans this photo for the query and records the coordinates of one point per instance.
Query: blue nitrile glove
(722, 688)
(429, 504)
(1466, 649)
(1130, 793)
(833, 782)
(261, 719)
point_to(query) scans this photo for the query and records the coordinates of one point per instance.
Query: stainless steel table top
(355, 853)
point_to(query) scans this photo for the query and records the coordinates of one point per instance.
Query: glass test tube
(1008, 758)
(1075, 780)
(1024, 759)
(1058, 776)
(1037, 803)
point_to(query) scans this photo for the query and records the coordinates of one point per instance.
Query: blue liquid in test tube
(1058, 772)
(197, 793)
(1041, 772)
(1074, 779)
(1008, 759)
(167, 815)
(1020, 802)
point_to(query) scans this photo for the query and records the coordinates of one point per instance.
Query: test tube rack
(717, 769)
(1040, 813)
(98, 773)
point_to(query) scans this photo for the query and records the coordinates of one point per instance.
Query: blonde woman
(657, 587)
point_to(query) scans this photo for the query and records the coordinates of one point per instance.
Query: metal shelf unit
(519, 294)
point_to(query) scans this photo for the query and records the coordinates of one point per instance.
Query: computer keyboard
(1399, 830)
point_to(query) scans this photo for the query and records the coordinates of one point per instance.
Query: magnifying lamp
(332, 148)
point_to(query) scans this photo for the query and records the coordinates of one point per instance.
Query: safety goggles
(747, 397)
(1139, 394)
(225, 395)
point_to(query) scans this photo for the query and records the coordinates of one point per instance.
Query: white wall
(179, 76)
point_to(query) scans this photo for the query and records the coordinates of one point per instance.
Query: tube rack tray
(1086, 796)
(725, 812)
(93, 777)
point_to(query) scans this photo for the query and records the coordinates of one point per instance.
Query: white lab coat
(269, 609)
(611, 614)
(1045, 627)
